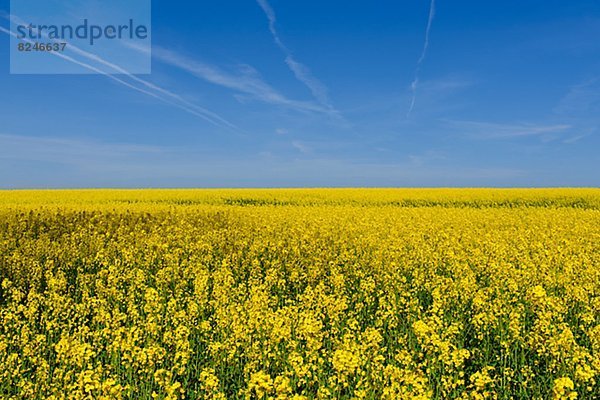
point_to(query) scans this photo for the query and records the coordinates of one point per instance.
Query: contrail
(179, 101)
(248, 82)
(185, 105)
(415, 82)
(301, 71)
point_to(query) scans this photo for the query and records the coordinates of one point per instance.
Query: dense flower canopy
(299, 294)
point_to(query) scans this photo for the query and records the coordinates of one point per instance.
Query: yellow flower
(563, 389)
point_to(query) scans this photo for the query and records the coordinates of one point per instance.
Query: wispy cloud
(576, 138)
(415, 82)
(301, 147)
(581, 108)
(487, 130)
(443, 95)
(147, 88)
(300, 71)
(427, 157)
(246, 81)
(38, 161)
(67, 151)
(91, 163)
(575, 117)
(582, 100)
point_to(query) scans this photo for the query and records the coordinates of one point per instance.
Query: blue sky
(319, 93)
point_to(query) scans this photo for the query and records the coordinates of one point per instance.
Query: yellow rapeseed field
(300, 294)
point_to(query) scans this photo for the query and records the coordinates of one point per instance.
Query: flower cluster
(300, 294)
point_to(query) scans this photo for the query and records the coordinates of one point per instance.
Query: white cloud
(488, 130)
(301, 147)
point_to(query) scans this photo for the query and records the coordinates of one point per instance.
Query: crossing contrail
(151, 90)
